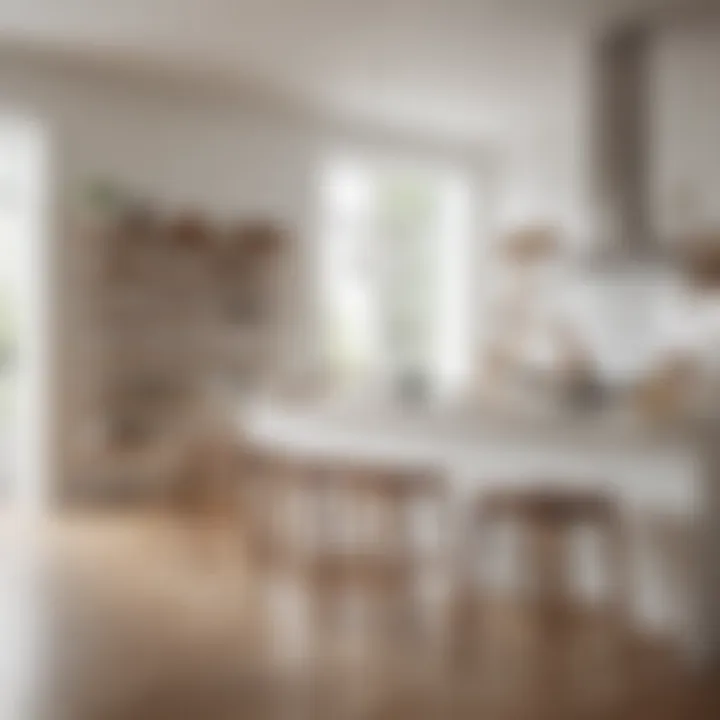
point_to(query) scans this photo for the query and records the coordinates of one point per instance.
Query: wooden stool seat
(368, 569)
(546, 514)
(555, 506)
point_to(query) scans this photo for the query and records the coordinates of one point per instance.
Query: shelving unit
(187, 317)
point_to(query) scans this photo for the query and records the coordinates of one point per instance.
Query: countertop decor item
(255, 241)
(138, 218)
(247, 272)
(530, 244)
(666, 394)
(104, 197)
(191, 231)
(699, 257)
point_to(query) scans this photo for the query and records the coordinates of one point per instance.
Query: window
(22, 351)
(395, 275)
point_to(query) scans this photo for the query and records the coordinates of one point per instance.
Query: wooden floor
(128, 618)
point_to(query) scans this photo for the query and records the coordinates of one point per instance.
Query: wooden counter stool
(366, 544)
(201, 497)
(266, 488)
(545, 517)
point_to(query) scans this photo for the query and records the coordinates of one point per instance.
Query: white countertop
(602, 429)
(656, 466)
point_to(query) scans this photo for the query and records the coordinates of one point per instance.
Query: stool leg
(548, 572)
(553, 638)
(619, 577)
(619, 597)
(465, 621)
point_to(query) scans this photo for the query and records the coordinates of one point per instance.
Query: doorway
(23, 337)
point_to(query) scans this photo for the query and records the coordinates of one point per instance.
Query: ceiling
(467, 67)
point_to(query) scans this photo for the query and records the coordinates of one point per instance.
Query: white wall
(686, 132)
(543, 163)
(194, 149)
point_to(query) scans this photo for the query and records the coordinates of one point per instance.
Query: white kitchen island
(670, 471)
